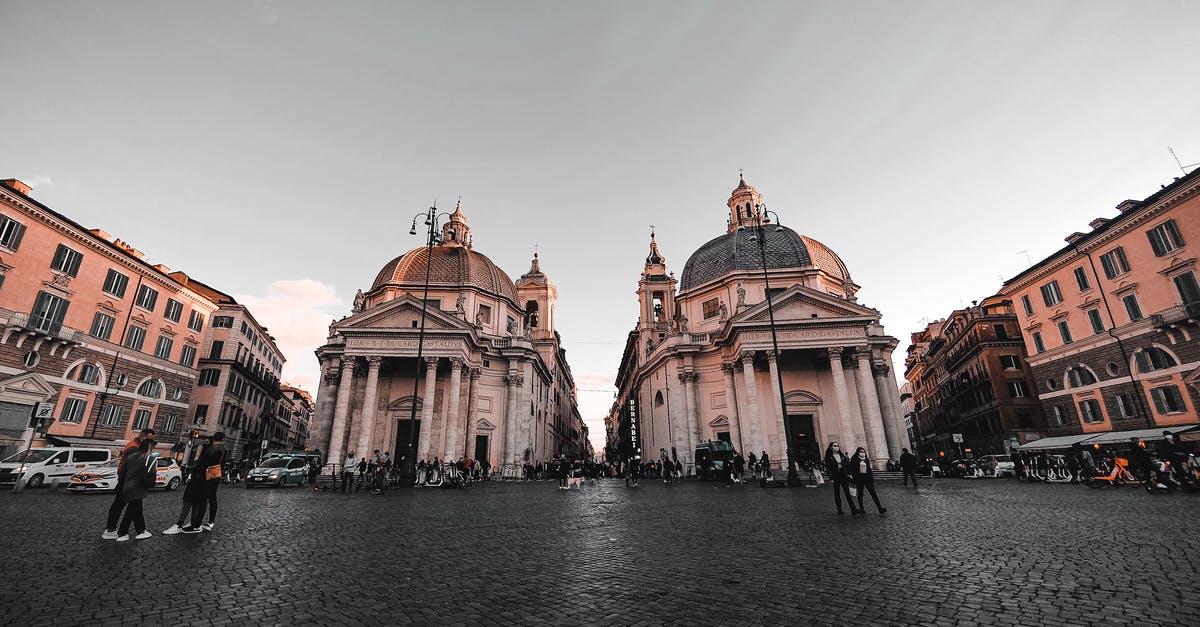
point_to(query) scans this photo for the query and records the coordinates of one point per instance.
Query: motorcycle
(1162, 481)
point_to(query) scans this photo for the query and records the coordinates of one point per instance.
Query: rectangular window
(1114, 262)
(201, 414)
(1089, 410)
(187, 356)
(1001, 332)
(48, 313)
(1125, 405)
(66, 260)
(1097, 324)
(102, 325)
(196, 321)
(163, 349)
(135, 338)
(174, 310)
(115, 283)
(1016, 389)
(1167, 400)
(485, 314)
(1058, 416)
(1028, 304)
(1132, 307)
(1051, 295)
(141, 419)
(112, 415)
(147, 297)
(73, 410)
(711, 308)
(216, 349)
(1082, 280)
(1064, 330)
(209, 376)
(11, 233)
(1010, 362)
(170, 423)
(1164, 238)
(222, 322)
(1038, 345)
(1189, 289)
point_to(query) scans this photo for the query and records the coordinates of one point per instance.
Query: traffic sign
(43, 410)
(958, 438)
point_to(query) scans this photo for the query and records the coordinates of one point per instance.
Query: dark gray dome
(734, 252)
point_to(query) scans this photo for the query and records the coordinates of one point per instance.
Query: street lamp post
(408, 472)
(793, 479)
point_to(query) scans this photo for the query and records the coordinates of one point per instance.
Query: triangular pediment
(402, 313)
(719, 421)
(485, 425)
(26, 389)
(804, 304)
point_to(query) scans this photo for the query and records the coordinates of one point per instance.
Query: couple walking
(846, 470)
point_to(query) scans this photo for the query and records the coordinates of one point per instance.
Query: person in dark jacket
(864, 479)
(137, 477)
(837, 465)
(213, 456)
(1140, 463)
(194, 494)
(118, 504)
(908, 466)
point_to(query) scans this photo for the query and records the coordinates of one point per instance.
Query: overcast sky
(278, 150)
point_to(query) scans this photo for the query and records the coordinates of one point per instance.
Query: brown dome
(453, 266)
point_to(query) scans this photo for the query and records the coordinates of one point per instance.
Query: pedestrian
(193, 494)
(752, 464)
(137, 477)
(838, 467)
(362, 467)
(348, 472)
(1140, 462)
(864, 479)
(765, 462)
(118, 504)
(739, 467)
(210, 470)
(1169, 449)
(908, 466)
(314, 471)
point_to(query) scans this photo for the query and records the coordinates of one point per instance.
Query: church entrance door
(403, 432)
(804, 439)
(481, 448)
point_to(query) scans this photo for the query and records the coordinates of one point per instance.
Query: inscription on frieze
(401, 344)
(804, 334)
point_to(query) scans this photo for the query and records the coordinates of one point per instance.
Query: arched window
(84, 373)
(1153, 358)
(749, 211)
(658, 399)
(151, 388)
(1080, 376)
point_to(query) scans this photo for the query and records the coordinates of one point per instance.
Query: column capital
(747, 357)
(475, 373)
(374, 361)
(689, 376)
(456, 362)
(515, 379)
(880, 370)
(727, 367)
(862, 351)
(431, 362)
(835, 352)
(771, 356)
(349, 362)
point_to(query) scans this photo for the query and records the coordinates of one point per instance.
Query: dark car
(714, 460)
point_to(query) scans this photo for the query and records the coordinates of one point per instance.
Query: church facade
(700, 365)
(492, 382)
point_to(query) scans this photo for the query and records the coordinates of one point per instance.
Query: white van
(51, 465)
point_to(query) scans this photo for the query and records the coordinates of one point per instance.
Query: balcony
(43, 328)
(1188, 313)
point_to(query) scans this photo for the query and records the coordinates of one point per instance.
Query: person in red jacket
(118, 504)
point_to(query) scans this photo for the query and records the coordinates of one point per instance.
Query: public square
(954, 552)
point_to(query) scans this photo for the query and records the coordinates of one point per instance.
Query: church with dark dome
(701, 363)
(491, 384)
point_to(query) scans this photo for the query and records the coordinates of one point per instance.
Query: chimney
(1098, 222)
(1075, 237)
(17, 186)
(1126, 205)
(137, 254)
(101, 233)
(162, 268)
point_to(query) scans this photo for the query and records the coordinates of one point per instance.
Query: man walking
(348, 472)
(118, 504)
(210, 470)
(908, 466)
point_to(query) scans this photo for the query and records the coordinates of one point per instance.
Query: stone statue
(528, 332)
(479, 319)
(741, 292)
(359, 302)
(724, 312)
(512, 327)
(460, 305)
(683, 324)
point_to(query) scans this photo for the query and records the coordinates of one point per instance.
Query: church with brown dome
(700, 364)
(492, 382)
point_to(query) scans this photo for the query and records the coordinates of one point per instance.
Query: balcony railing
(1174, 315)
(57, 330)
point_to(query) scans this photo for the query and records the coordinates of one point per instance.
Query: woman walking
(837, 465)
(864, 479)
(138, 474)
(193, 495)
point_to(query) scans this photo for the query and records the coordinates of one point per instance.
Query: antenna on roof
(1028, 261)
(1182, 168)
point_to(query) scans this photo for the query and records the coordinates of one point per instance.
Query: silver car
(278, 472)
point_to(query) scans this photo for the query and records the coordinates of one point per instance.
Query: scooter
(1161, 479)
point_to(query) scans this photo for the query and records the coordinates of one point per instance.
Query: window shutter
(18, 233)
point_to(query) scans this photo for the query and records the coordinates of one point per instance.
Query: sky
(278, 150)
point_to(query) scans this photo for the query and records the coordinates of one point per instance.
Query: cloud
(297, 314)
(267, 11)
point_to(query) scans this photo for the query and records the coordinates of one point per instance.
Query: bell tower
(745, 203)
(656, 295)
(455, 231)
(538, 298)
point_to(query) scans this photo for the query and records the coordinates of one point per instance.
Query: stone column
(472, 409)
(772, 362)
(689, 417)
(427, 399)
(843, 398)
(514, 380)
(323, 418)
(529, 422)
(872, 418)
(453, 449)
(366, 422)
(342, 409)
(893, 392)
(752, 403)
(735, 428)
(894, 441)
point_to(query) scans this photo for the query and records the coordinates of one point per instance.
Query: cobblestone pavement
(988, 552)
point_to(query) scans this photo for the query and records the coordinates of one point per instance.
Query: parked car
(103, 478)
(51, 465)
(996, 466)
(278, 471)
(714, 460)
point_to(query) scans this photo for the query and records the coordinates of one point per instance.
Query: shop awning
(1107, 437)
(1058, 441)
(67, 440)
